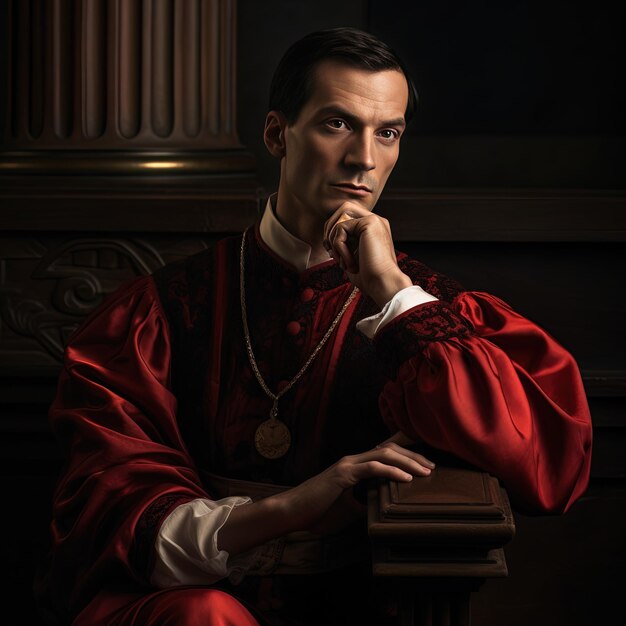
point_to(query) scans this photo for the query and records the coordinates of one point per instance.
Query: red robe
(157, 387)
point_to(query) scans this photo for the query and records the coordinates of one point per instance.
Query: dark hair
(291, 85)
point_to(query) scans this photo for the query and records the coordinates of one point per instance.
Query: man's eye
(389, 133)
(336, 124)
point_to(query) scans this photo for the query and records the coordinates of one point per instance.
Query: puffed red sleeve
(127, 467)
(476, 379)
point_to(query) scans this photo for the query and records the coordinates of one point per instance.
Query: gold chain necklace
(272, 438)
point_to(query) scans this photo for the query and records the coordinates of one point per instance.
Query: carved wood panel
(49, 284)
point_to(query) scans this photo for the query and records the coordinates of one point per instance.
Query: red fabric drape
(506, 398)
(466, 375)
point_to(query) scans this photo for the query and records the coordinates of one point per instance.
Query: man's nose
(360, 154)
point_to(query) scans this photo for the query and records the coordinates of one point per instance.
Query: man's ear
(274, 134)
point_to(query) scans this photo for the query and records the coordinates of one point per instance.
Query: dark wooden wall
(511, 180)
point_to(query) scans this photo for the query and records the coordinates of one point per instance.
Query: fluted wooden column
(139, 77)
(118, 153)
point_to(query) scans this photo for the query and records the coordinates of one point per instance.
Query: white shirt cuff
(186, 546)
(404, 300)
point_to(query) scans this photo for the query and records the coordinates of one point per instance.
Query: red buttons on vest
(293, 328)
(307, 295)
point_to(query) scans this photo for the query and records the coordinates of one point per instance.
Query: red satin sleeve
(114, 415)
(480, 381)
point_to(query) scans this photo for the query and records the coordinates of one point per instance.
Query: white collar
(280, 241)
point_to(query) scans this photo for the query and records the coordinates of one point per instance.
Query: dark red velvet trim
(409, 333)
(147, 529)
(442, 287)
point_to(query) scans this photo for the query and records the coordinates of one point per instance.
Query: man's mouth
(353, 188)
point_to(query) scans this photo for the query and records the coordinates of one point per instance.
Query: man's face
(345, 141)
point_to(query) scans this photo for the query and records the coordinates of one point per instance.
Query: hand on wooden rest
(308, 506)
(348, 508)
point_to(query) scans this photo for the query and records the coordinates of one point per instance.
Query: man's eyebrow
(349, 117)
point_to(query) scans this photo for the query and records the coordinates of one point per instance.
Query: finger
(376, 469)
(398, 457)
(332, 229)
(346, 211)
(340, 215)
(421, 459)
(343, 246)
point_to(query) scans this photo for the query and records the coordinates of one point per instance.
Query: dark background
(512, 94)
(511, 179)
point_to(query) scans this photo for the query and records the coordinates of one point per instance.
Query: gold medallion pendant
(272, 439)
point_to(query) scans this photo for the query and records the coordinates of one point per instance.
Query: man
(220, 415)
